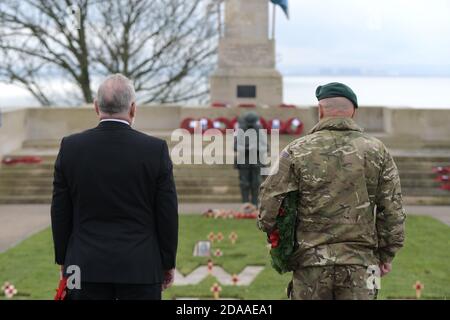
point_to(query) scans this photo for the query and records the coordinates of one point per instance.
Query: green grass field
(426, 257)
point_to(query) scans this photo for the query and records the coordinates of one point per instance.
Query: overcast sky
(370, 34)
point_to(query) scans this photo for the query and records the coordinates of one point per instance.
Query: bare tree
(166, 46)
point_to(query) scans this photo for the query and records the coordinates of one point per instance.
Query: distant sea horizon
(428, 92)
(381, 91)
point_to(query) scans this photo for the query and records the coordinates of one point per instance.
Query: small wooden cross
(210, 266)
(9, 290)
(219, 237)
(233, 237)
(419, 287)
(211, 236)
(235, 279)
(216, 289)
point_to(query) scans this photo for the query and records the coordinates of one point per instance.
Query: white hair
(116, 94)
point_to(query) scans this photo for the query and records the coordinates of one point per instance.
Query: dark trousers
(114, 291)
(249, 181)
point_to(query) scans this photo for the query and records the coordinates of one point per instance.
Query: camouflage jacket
(350, 203)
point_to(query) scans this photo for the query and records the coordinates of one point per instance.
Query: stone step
(426, 200)
(205, 183)
(422, 166)
(55, 143)
(417, 192)
(404, 163)
(195, 175)
(411, 179)
(45, 199)
(408, 185)
(31, 190)
(191, 180)
(420, 183)
(204, 172)
(46, 159)
(180, 181)
(202, 187)
(32, 183)
(409, 165)
(205, 168)
(284, 139)
(26, 174)
(211, 175)
(50, 165)
(11, 179)
(422, 159)
(419, 200)
(417, 175)
(41, 144)
(199, 193)
(27, 168)
(34, 199)
(192, 174)
(194, 170)
(209, 198)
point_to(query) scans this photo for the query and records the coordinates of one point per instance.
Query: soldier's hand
(385, 268)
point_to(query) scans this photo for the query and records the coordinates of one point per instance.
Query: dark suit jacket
(114, 209)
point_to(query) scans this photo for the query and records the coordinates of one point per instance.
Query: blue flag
(283, 4)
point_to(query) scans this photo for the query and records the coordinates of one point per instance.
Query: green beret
(336, 89)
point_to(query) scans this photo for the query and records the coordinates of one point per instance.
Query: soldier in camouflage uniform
(350, 213)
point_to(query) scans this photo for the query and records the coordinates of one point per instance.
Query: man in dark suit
(114, 209)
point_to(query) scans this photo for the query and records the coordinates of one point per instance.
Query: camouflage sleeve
(274, 189)
(390, 217)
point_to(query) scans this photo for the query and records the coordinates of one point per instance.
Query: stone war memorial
(221, 253)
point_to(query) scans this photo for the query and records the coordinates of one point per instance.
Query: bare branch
(166, 46)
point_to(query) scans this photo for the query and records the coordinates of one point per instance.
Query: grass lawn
(426, 257)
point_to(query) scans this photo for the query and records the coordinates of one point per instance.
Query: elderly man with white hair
(114, 207)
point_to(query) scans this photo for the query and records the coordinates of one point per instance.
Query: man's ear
(321, 114)
(133, 110)
(97, 109)
(354, 112)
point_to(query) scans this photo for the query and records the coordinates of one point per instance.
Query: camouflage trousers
(339, 282)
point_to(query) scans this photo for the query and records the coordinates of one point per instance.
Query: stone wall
(401, 128)
(12, 130)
